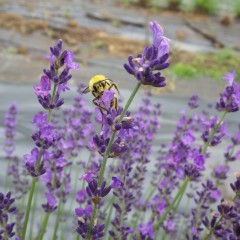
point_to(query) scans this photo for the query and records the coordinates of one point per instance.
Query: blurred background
(205, 39)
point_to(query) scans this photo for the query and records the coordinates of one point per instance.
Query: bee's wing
(86, 90)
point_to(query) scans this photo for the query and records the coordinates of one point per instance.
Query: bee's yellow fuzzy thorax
(95, 79)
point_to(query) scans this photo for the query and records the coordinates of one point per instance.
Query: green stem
(34, 180)
(106, 155)
(6, 175)
(33, 213)
(21, 207)
(109, 205)
(78, 237)
(108, 219)
(52, 99)
(212, 229)
(89, 232)
(104, 162)
(44, 225)
(30, 197)
(59, 212)
(170, 207)
(39, 159)
(178, 202)
(63, 232)
(129, 101)
(152, 191)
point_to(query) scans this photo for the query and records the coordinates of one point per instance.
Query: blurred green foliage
(236, 8)
(206, 6)
(199, 6)
(214, 65)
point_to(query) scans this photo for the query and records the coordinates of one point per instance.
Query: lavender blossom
(45, 134)
(193, 101)
(146, 67)
(84, 217)
(220, 131)
(111, 124)
(203, 198)
(230, 154)
(146, 230)
(236, 185)
(6, 210)
(10, 123)
(225, 223)
(230, 99)
(58, 59)
(95, 192)
(14, 170)
(50, 206)
(31, 161)
(221, 171)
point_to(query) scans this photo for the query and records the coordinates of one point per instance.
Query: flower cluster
(208, 195)
(146, 67)
(84, 216)
(96, 194)
(58, 59)
(6, 209)
(230, 99)
(122, 198)
(111, 124)
(10, 123)
(46, 135)
(225, 223)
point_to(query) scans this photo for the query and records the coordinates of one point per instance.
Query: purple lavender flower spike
(88, 177)
(10, 132)
(81, 211)
(81, 196)
(84, 217)
(31, 161)
(147, 230)
(116, 183)
(220, 172)
(69, 61)
(43, 89)
(229, 77)
(95, 192)
(57, 60)
(193, 101)
(225, 208)
(145, 67)
(6, 210)
(51, 204)
(236, 185)
(230, 99)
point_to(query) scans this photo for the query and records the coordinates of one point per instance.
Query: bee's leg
(114, 103)
(115, 86)
(86, 90)
(101, 107)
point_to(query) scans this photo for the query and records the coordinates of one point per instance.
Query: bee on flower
(98, 84)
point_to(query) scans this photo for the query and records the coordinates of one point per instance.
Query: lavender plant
(112, 193)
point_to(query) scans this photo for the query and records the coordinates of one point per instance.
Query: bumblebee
(97, 85)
